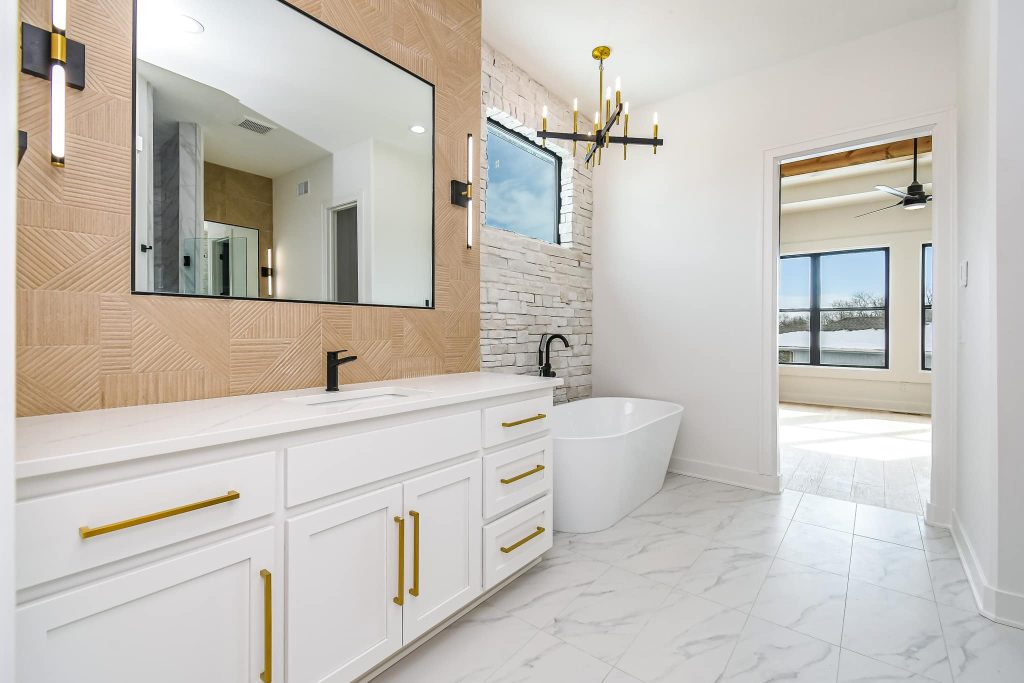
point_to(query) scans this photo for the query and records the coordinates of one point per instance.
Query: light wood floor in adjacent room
(864, 456)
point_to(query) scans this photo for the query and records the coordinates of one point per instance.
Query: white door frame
(942, 127)
(364, 241)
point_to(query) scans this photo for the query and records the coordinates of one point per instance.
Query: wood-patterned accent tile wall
(239, 198)
(85, 342)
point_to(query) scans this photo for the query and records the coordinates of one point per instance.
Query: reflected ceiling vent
(254, 126)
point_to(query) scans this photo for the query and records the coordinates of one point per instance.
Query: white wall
(8, 184)
(297, 231)
(402, 238)
(989, 508)
(677, 238)
(904, 386)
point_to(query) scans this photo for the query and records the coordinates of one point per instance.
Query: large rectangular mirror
(277, 159)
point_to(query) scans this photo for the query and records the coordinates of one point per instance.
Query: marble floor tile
(754, 530)
(617, 676)
(855, 668)
(605, 618)
(544, 659)
(869, 426)
(541, 593)
(870, 472)
(806, 600)
(674, 481)
(938, 542)
(867, 494)
(469, 650)
(701, 517)
(982, 651)
(661, 505)
(782, 505)
(665, 556)
(895, 628)
(826, 512)
(888, 525)
(817, 547)
(690, 639)
(766, 652)
(615, 542)
(950, 585)
(727, 575)
(892, 566)
(717, 492)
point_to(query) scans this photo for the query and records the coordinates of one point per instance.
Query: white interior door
(197, 617)
(443, 563)
(342, 581)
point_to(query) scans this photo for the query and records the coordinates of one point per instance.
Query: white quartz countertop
(48, 444)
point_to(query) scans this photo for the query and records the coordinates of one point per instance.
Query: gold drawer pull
(535, 470)
(399, 599)
(86, 532)
(268, 628)
(521, 541)
(538, 416)
(415, 590)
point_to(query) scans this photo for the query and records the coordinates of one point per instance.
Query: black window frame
(925, 305)
(493, 125)
(815, 310)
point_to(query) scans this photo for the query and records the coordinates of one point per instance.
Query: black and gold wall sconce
(462, 192)
(50, 55)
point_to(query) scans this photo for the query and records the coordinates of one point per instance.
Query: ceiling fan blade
(928, 198)
(882, 209)
(892, 190)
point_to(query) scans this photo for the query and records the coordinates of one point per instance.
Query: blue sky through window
(522, 187)
(843, 276)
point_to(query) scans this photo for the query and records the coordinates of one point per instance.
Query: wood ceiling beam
(853, 157)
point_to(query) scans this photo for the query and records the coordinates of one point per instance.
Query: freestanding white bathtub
(611, 454)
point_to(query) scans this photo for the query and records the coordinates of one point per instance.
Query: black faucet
(544, 353)
(333, 363)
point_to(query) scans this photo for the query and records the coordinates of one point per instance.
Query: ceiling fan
(914, 198)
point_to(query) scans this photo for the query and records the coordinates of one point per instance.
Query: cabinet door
(442, 545)
(198, 617)
(342, 581)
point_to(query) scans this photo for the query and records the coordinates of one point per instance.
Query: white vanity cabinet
(312, 549)
(198, 617)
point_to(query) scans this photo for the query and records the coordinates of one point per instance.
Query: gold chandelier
(605, 118)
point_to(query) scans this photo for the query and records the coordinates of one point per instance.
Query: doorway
(345, 237)
(863, 300)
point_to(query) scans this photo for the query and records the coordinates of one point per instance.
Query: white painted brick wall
(528, 286)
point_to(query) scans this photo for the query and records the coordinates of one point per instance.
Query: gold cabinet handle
(86, 532)
(268, 628)
(524, 475)
(415, 590)
(399, 599)
(538, 416)
(535, 534)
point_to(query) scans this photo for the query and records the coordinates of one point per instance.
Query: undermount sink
(361, 397)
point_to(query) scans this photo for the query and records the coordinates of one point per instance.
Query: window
(523, 185)
(926, 307)
(834, 309)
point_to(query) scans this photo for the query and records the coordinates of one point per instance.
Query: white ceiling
(276, 63)
(664, 47)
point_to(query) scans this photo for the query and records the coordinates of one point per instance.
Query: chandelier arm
(603, 133)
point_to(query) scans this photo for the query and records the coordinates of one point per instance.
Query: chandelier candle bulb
(625, 127)
(607, 103)
(618, 95)
(544, 124)
(655, 148)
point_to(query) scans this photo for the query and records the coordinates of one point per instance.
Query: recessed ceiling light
(188, 24)
(417, 129)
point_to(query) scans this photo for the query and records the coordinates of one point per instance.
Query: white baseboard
(814, 398)
(938, 516)
(726, 475)
(998, 605)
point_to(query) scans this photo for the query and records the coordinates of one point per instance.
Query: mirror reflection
(276, 159)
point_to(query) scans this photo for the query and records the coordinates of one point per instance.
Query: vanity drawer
(516, 420)
(327, 467)
(70, 532)
(515, 540)
(515, 475)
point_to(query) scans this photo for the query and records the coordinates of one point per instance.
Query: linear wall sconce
(267, 271)
(462, 192)
(50, 55)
